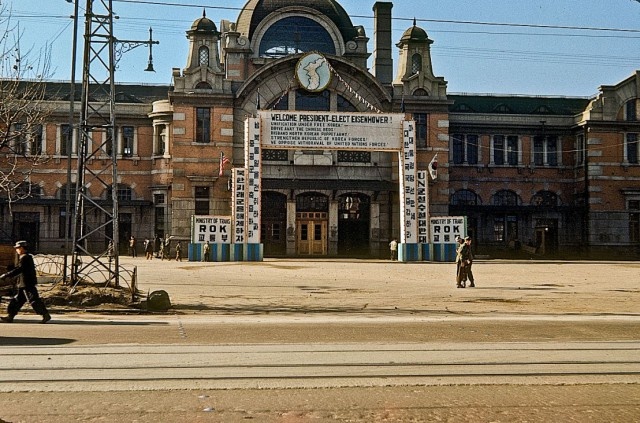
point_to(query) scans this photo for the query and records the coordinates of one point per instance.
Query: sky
(535, 47)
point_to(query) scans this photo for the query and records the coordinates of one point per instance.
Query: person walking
(148, 249)
(205, 251)
(132, 247)
(178, 251)
(27, 291)
(469, 274)
(393, 249)
(167, 248)
(461, 258)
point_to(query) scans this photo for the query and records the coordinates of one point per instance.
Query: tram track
(144, 367)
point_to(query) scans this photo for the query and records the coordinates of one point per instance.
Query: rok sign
(215, 229)
(445, 229)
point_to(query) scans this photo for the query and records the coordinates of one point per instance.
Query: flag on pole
(433, 167)
(223, 161)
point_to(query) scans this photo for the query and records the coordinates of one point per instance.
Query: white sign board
(215, 229)
(239, 206)
(423, 207)
(253, 163)
(444, 229)
(408, 194)
(332, 131)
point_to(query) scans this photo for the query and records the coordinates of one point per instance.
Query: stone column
(291, 227)
(332, 230)
(374, 229)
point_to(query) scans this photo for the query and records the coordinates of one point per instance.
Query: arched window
(416, 64)
(295, 34)
(505, 197)
(312, 202)
(62, 192)
(353, 206)
(203, 85)
(203, 56)
(545, 199)
(125, 193)
(309, 101)
(465, 197)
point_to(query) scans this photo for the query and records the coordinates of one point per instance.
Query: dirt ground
(344, 288)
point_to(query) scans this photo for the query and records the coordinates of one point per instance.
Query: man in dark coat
(27, 291)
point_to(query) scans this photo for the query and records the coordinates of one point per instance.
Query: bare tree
(23, 110)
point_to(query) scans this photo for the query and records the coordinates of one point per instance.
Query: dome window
(295, 34)
(203, 56)
(416, 64)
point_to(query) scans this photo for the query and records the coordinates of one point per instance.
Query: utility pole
(95, 228)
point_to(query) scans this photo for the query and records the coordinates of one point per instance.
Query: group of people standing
(464, 260)
(159, 247)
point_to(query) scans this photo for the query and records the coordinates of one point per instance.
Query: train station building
(540, 173)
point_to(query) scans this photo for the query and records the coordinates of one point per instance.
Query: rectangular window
(512, 150)
(632, 148)
(465, 149)
(66, 138)
(630, 112)
(634, 220)
(127, 141)
(498, 150)
(63, 229)
(580, 149)
(19, 138)
(545, 150)
(35, 141)
(538, 151)
(458, 148)
(203, 125)
(498, 229)
(472, 149)
(421, 129)
(202, 201)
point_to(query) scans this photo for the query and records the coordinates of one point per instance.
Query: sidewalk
(364, 287)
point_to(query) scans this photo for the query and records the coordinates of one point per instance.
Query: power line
(443, 21)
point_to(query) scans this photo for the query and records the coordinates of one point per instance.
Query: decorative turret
(204, 70)
(415, 69)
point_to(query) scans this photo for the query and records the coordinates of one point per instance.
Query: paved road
(340, 341)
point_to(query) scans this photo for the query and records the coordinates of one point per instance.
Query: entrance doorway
(353, 225)
(312, 234)
(26, 227)
(312, 217)
(274, 222)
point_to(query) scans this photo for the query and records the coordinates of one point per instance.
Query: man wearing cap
(27, 291)
(467, 241)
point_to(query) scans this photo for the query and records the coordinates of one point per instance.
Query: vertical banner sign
(408, 195)
(253, 158)
(239, 209)
(215, 229)
(423, 208)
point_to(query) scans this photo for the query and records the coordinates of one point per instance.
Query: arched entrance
(312, 216)
(274, 223)
(353, 224)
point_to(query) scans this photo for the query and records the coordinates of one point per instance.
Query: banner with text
(444, 229)
(253, 163)
(215, 229)
(239, 205)
(326, 130)
(408, 192)
(423, 207)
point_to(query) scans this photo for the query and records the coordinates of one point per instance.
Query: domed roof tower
(415, 69)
